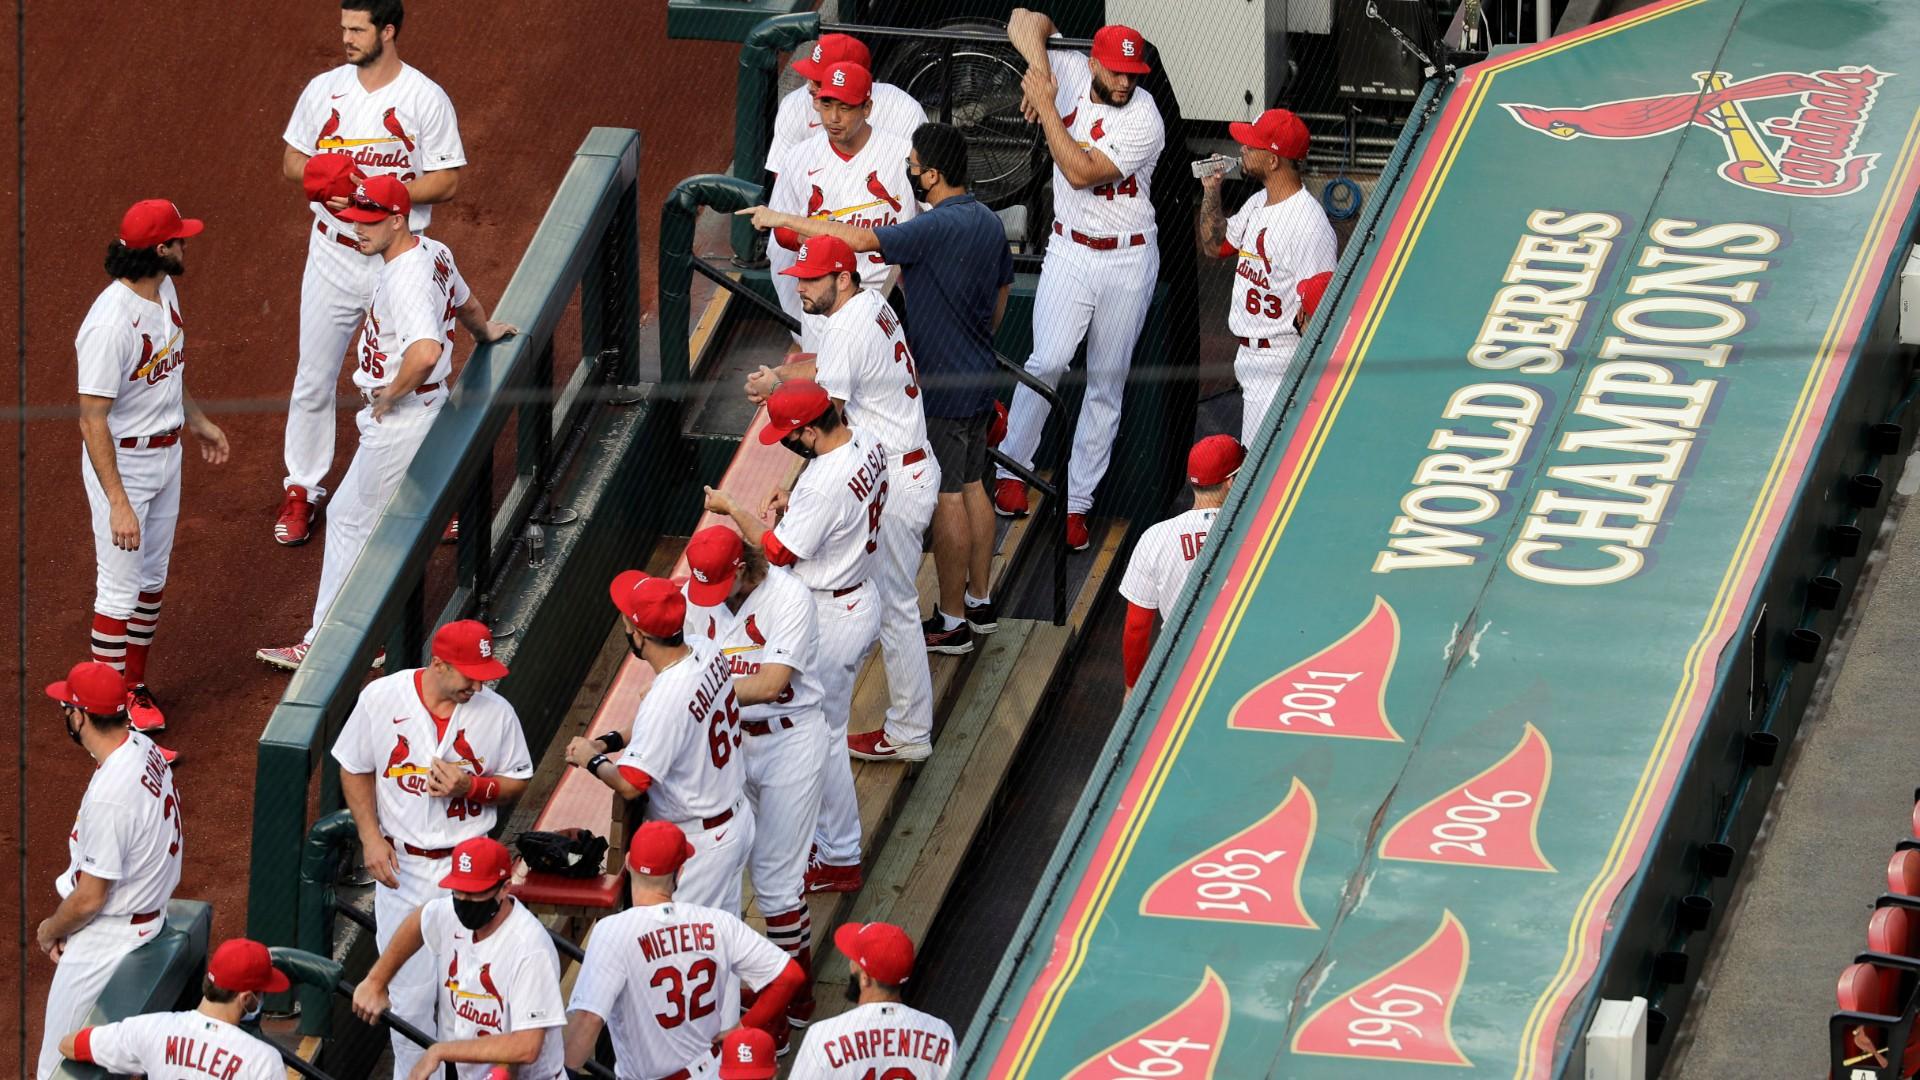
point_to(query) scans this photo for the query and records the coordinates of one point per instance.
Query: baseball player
(864, 363)
(828, 530)
(1164, 556)
(1097, 280)
(371, 116)
(426, 758)
(1309, 292)
(133, 402)
(1281, 238)
(497, 973)
(850, 172)
(768, 631)
(661, 975)
(798, 117)
(680, 749)
(123, 853)
(406, 360)
(882, 1036)
(748, 1054)
(207, 1041)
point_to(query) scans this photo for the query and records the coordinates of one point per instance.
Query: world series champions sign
(1456, 645)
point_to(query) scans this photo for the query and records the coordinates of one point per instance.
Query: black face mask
(474, 914)
(72, 732)
(634, 648)
(798, 447)
(853, 989)
(919, 182)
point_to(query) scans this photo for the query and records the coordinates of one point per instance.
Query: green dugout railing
(588, 241)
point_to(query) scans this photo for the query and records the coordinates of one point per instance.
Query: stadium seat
(1890, 930)
(1903, 873)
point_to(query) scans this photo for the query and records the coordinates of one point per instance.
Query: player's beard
(174, 264)
(1109, 95)
(373, 55)
(853, 988)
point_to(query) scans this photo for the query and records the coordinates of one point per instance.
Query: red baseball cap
(1214, 460)
(330, 176)
(832, 49)
(93, 687)
(1277, 130)
(151, 222)
(1121, 48)
(658, 848)
(882, 950)
(241, 965)
(848, 82)
(795, 404)
(747, 1054)
(714, 555)
(820, 256)
(468, 646)
(650, 603)
(478, 865)
(1311, 291)
(377, 199)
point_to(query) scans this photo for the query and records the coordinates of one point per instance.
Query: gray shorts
(960, 446)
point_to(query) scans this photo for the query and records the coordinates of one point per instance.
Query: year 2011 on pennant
(1339, 691)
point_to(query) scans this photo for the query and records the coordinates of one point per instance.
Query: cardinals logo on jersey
(174, 314)
(154, 366)
(1068, 119)
(879, 190)
(463, 753)
(465, 1000)
(753, 631)
(1808, 153)
(392, 124)
(411, 778)
(1096, 133)
(1260, 249)
(815, 201)
(328, 130)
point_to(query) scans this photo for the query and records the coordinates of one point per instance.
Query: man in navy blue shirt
(956, 270)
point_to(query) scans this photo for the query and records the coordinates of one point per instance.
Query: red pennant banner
(1252, 876)
(1405, 1013)
(1491, 820)
(1182, 1045)
(1340, 690)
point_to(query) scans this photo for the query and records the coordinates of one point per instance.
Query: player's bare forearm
(1210, 223)
(856, 238)
(100, 452)
(415, 364)
(583, 1032)
(752, 529)
(435, 187)
(763, 686)
(512, 1048)
(798, 368)
(1027, 32)
(356, 789)
(473, 316)
(1082, 168)
(400, 948)
(293, 164)
(89, 895)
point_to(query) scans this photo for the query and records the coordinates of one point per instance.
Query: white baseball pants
(1261, 374)
(334, 294)
(1102, 296)
(91, 956)
(848, 627)
(152, 482)
(711, 875)
(912, 493)
(386, 449)
(783, 783)
(413, 995)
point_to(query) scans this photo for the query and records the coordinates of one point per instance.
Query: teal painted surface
(1612, 673)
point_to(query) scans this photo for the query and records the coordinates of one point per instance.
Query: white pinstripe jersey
(414, 300)
(864, 361)
(1164, 557)
(894, 111)
(866, 191)
(1278, 246)
(1131, 137)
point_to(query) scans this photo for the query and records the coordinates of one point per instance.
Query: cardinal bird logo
(1096, 133)
(753, 632)
(146, 359)
(392, 124)
(815, 201)
(879, 191)
(713, 628)
(328, 130)
(463, 752)
(1260, 249)
(174, 314)
(1808, 154)
(1068, 119)
(486, 982)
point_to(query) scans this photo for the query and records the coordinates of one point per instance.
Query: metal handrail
(1055, 493)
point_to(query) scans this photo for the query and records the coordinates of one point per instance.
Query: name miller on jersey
(200, 1057)
(681, 937)
(887, 1043)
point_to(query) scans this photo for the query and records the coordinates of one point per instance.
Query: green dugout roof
(1426, 713)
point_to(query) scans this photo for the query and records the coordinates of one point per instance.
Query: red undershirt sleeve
(83, 1045)
(1137, 641)
(635, 777)
(1227, 249)
(776, 552)
(771, 1003)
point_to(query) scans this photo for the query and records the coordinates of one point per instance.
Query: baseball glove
(568, 852)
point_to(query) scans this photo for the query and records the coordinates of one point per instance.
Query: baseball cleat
(1010, 497)
(800, 1013)
(286, 658)
(379, 660)
(143, 712)
(955, 642)
(1077, 539)
(295, 526)
(982, 618)
(828, 877)
(451, 534)
(874, 746)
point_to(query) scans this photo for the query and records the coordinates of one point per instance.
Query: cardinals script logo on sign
(1806, 153)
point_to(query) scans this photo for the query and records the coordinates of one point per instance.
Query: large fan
(1003, 150)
